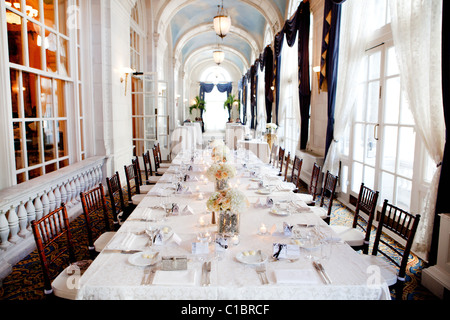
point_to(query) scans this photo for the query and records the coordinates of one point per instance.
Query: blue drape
(330, 60)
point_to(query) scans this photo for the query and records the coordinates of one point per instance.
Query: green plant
(199, 104)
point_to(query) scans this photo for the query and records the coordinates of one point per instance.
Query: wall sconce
(126, 72)
(317, 71)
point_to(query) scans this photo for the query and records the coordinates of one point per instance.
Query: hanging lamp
(222, 22)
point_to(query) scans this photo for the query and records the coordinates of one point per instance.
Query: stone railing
(23, 203)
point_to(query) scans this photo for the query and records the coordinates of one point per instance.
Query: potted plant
(228, 104)
(199, 105)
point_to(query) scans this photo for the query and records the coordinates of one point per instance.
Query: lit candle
(200, 196)
(263, 228)
(201, 221)
(235, 240)
(197, 188)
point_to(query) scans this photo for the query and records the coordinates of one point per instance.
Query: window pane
(35, 173)
(46, 97)
(21, 177)
(389, 148)
(18, 145)
(387, 187)
(371, 145)
(392, 66)
(30, 98)
(403, 193)
(373, 95)
(51, 51)
(369, 177)
(63, 57)
(14, 24)
(406, 148)
(51, 167)
(392, 100)
(33, 130)
(49, 14)
(358, 144)
(49, 140)
(32, 9)
(34, 45)
(374, 65)
(62, 8)
(60, 105)
(406, 116)
(63, 149)
(15, 100)
(357, 176)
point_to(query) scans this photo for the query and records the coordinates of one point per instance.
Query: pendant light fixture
(222, 22)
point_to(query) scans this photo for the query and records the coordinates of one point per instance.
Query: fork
(261, 271)
(146, 273)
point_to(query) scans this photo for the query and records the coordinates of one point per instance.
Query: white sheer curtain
(355, 20)
(289, 131)
(261, 100)
(417, 28)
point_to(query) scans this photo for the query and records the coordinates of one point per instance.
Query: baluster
(91, 180)
(73, 186)
(31, 212)
(13, 222)
(22, 215)
(45, 203)
(39, 207)
(69, 195)
(51, 201)
(4, 232)
(63, 192)
(57, 194)
(100, 175)
(78, 188)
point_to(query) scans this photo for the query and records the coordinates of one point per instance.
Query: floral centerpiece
(271, 134)
(229, 204)
(220, 173)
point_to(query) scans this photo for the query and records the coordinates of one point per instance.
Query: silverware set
(321, 271)
(261, 271)
(206, 273)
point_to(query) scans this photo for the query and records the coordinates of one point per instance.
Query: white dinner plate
(264, 191)
(142, 259)
(280, 212)
(250, 257)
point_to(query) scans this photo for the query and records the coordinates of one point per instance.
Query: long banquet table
(113, 276)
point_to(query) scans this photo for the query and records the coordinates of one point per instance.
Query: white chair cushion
(162, 170)
(153, 179)
(305, 197)
(103, 240)
(136, 199)
(322, 212)
(144, 189)
(65, 286)
(388, 271)
(165, 164)
(351, 236)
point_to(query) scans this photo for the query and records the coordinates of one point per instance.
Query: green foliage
(199, 104)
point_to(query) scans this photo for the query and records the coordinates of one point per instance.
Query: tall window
(380, 148)
(42, 86)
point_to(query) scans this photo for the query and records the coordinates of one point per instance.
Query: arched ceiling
(188, 26)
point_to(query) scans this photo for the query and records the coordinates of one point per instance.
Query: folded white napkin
(122, 241)
(306, 276)
(187, 210)
(260, 203)
(286, 186)
(178, 277)
(146, 214)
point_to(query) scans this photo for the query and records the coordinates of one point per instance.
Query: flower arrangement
(271, 127)
(220, 172)
(220, 153)
(231, 200)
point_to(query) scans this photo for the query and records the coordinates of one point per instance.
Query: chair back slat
(288, 161)
(281, 152)
(315, 177)
(328, 194)
(115, 196)
(156, 159)
(132, 180)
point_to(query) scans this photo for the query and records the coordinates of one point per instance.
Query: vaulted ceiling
(188, 26)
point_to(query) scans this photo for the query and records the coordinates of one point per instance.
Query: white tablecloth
(258, 147)
(112, 276)
(195, 133)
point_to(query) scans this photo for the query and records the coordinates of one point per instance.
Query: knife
(208, 269)
(204, 274)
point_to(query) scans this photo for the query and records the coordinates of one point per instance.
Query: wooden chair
(162, 163)
(56, 251)
(404, 225)
(296, 170)
(119, 209)
(95, 210)
(159, 171)
(133, 187)
(150, 177)
(310, 197)
(143, 188)
(281, 152)
(326, 199)
(288, 160)
(357, 239)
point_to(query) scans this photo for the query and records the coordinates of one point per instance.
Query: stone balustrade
(23, 203)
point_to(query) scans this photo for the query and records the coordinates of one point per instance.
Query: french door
(382, 149)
